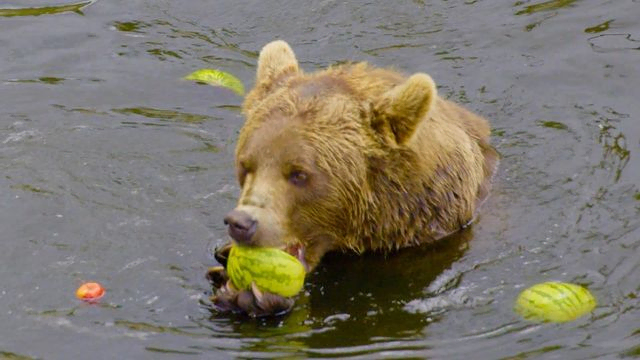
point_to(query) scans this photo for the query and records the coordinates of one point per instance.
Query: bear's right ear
(276, 59)
(401, 109)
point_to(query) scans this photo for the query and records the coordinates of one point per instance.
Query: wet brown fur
(356, 158)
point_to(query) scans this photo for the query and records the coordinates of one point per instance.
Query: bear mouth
(297, 251)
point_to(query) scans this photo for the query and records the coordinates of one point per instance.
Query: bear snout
(241, 226)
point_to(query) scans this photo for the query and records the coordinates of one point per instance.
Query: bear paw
(252, 302)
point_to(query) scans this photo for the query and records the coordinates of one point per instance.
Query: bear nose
(241, 226)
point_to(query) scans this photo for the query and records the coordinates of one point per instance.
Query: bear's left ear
(276, 58)
(403, 108)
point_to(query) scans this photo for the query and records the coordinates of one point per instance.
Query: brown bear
(351, 158)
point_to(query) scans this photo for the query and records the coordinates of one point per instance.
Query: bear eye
(298, 178)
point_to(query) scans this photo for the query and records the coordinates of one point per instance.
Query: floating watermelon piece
(217, 78)
(554, 302)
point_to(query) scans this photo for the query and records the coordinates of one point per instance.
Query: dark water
(113, 169)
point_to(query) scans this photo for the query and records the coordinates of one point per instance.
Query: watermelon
(271, 269)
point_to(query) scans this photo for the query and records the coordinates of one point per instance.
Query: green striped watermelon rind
(554, 302)
(271, 269)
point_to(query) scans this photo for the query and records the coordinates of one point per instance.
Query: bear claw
(221, 253)
(217, 276)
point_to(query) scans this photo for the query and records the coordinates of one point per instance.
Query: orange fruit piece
(90, 291)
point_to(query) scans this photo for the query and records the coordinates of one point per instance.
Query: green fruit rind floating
(217, 78)
(554, 302)
(271, 269)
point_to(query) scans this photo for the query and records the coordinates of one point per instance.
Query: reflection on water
(547, 8)
(544, 6)
(46, 10)
(130, 26)
(599, 28)
(50, 80)
(614, 42)
(615, 151)
(161, 114)
(13, 356)
(553, 124)
(351, 300)
(31, 188)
